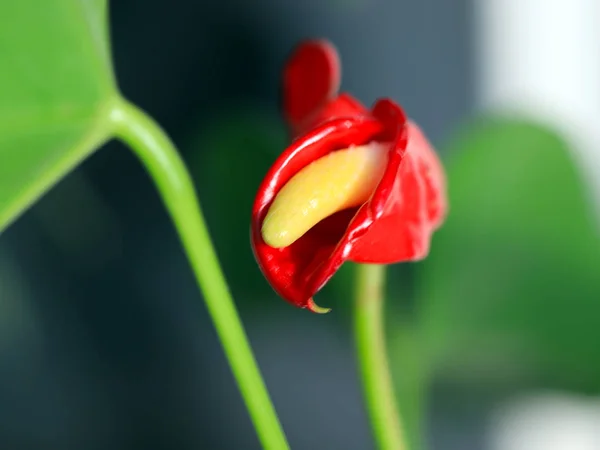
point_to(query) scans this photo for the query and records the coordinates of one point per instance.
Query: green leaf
(55, 85)
(512, 284)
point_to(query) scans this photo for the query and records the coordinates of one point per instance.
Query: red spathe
(394, 225)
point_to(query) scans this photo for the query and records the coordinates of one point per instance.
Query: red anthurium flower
(355, 184)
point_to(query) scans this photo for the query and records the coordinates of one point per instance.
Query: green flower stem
(161, 159)
(370, 342)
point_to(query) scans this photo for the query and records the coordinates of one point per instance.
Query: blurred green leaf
(512, 285)
(55, 81)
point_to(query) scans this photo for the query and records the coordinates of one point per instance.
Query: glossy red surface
(394, 225)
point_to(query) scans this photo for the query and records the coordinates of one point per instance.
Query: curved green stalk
(161, 159)
(370, 343)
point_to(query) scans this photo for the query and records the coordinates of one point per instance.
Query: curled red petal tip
(311, 77)
(397, 220)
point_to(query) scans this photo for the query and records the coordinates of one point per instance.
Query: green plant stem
(160, 157)
(374, 368)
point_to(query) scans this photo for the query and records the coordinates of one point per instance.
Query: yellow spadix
(337, 181)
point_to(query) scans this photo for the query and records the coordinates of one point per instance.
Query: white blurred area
(541, 58)
(547, 422)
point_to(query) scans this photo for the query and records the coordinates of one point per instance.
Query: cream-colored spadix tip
(337, 181)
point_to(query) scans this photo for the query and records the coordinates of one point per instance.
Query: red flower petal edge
(394, 225)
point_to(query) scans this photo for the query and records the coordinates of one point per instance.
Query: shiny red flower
(391, 223)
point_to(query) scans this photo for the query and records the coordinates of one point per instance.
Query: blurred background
(104, 338)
